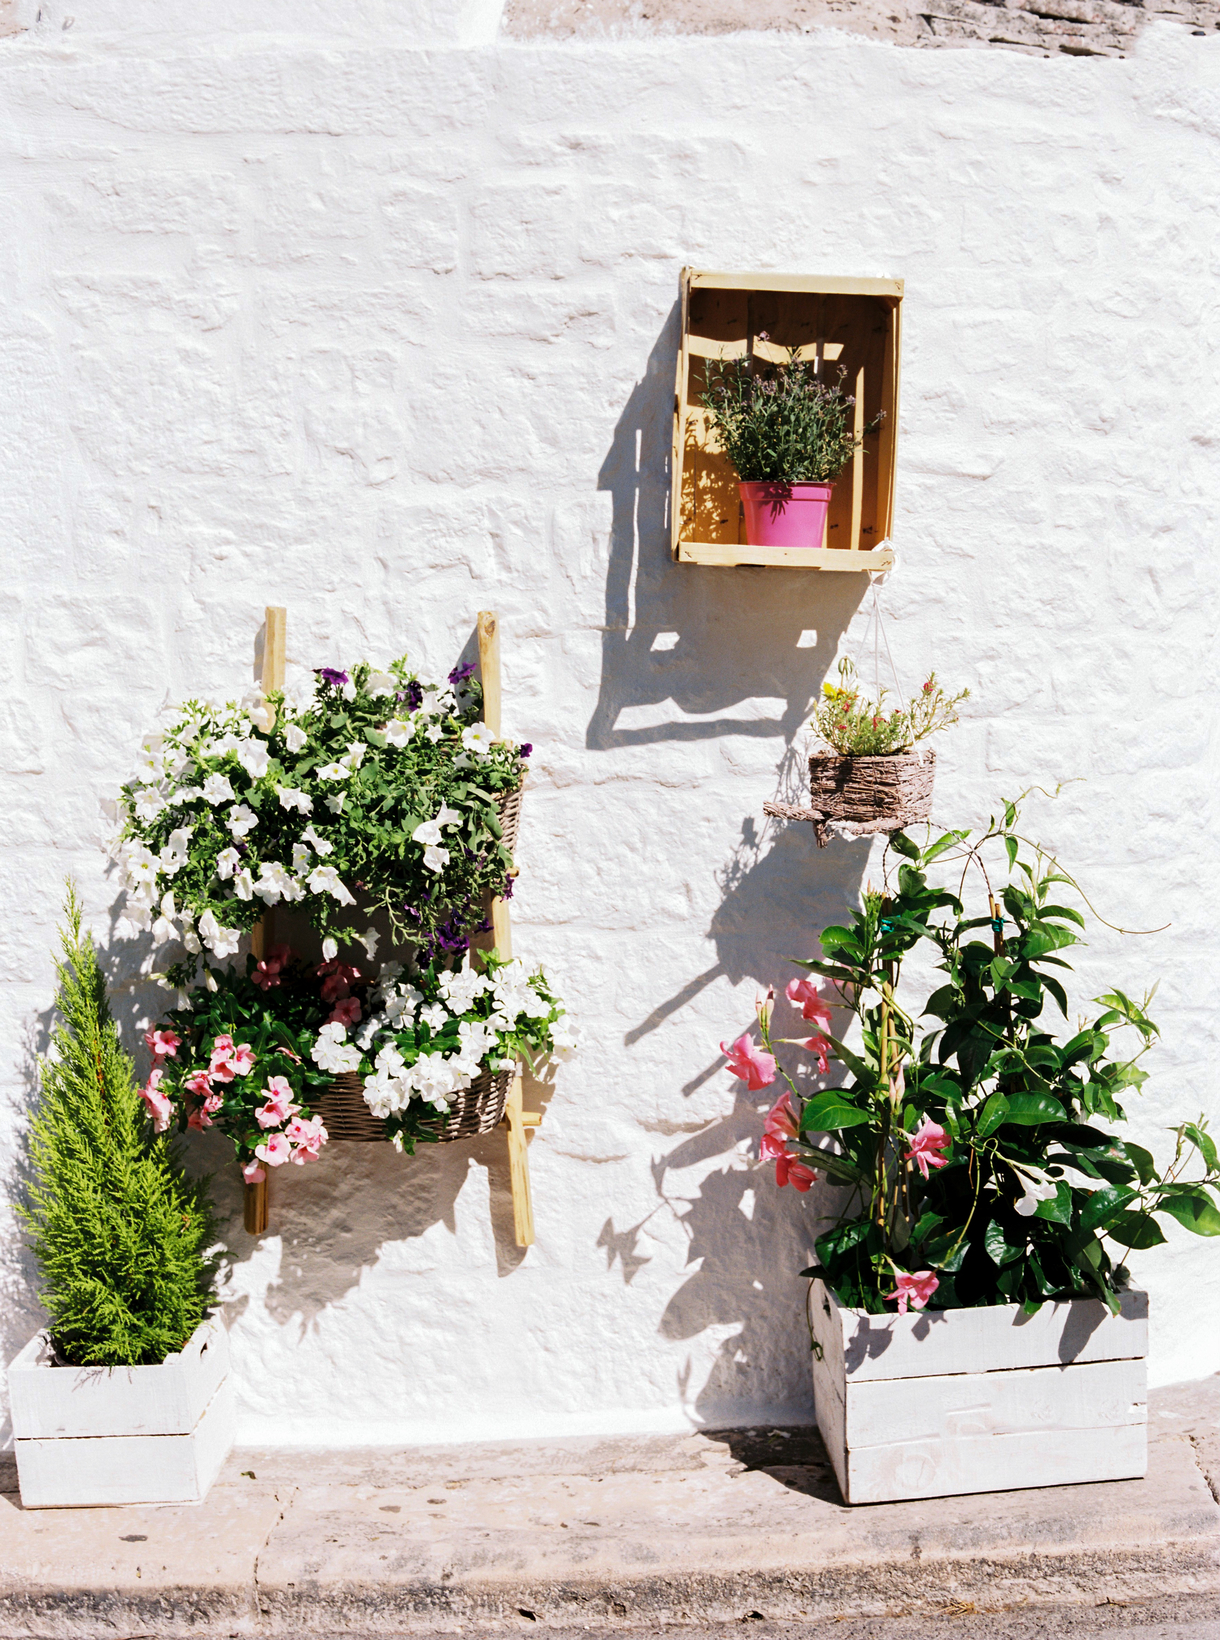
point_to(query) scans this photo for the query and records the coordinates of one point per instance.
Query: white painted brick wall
(366, 315)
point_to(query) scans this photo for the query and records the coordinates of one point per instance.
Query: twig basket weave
(476, 1109)
(509, 805)
(867, 794)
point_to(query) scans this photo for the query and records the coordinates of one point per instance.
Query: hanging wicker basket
(476, 1109)
(508, 805)
(866, 794)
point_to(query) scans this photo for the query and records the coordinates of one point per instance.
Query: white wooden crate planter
(97, 1435)
(940, 1402)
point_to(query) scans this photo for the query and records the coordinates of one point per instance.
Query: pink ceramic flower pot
(786, 515)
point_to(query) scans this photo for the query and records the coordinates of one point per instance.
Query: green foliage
(119, 1232)
(781, 422)
(853, 725)
(1026, 1193)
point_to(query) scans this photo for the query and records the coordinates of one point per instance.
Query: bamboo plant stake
(516, 1119)
(272, 677)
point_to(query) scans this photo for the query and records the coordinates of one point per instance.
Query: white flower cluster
(437, 1075)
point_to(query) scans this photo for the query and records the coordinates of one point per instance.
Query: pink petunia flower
(788, 1170)
(164, 1044)
(927, 1143)
(274, 1150)
(307, 1137)
(804, 994)
(779, 1128)
(755, 1068)
(913, 1288)
(267, 974)
(279, 1106)
(346, 1012)
(253, 1173)
(819, 1046)
(159, 1105)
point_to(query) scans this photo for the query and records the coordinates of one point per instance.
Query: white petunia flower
(335, 804)
(318, 844)
(139, 863)
(355, 753)
(334, 771)
(149, 803)
(477, 737)
(243, 885)
(227, 862)
(325, 880)
(291, 798)
(259, 710)
(433, 732)
(254, 758)
(436, 858)
(300, 858)
(221, 941)
(349, 690)
(330, 949)
(216, 789)
(448, 817)
(294, 737)
(333, 1053)
(381, 683)
(190, 939)
(369, 940)
(398, 731)
(275, 883)
(241, 820)
(176, 853)
(429, 831)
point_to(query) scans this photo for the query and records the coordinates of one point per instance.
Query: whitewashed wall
(375, 318)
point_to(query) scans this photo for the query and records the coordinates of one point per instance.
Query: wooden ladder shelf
(517, 1121)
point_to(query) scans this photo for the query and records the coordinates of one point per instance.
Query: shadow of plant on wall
(692, 654)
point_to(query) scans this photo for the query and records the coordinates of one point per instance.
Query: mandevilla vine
(977, 1148)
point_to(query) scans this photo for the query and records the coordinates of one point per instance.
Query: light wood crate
(86, 1436)
(853, 323)
(941, 1402)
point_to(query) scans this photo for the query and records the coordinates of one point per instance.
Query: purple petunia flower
(331, 675)
(415, 694)
(527, 748)
(461, 673)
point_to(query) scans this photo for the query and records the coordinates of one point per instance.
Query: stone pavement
(713, 1531)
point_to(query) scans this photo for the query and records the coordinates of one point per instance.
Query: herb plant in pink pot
(789, 433)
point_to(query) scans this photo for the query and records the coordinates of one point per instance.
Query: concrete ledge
(630, 1533)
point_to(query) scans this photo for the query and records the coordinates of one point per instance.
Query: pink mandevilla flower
(164, 1044)
(913, 1288)
(755, 1068)
(159, 1105)
(788, 1170)
(819, 1046)
(275, 1150)
(253, 1173)
(337, 979)
(220, 1065)
(199, 1119)
(804, 994)
(927, 1143)
(198, 1082)
(780, 1126)
(307, 1138)
(242, 1059)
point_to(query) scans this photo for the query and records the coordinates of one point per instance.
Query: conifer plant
(120, 1233)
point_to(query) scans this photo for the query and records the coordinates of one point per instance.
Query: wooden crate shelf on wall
(850, 323)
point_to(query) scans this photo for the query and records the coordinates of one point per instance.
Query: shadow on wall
(693, 653)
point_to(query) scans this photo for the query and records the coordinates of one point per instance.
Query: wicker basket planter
(476, 1109)
(509, 806)
(868, 794)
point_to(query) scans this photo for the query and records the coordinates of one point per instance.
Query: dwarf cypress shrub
(120, 1233)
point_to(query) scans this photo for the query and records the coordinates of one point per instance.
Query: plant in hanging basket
(877, 775)
(363, 783)
(789, 434)
(979, 1152)
(429, 1051)
(238, 1056)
